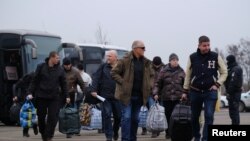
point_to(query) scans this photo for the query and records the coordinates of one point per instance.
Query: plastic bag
(143, 117)
(156, 120)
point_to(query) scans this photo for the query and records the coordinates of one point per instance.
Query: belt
(199, 90)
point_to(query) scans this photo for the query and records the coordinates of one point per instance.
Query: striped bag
(28, 115)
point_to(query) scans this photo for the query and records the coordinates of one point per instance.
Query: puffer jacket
(169, 83)
(123, 74)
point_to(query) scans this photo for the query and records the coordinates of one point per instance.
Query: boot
(144, 131)
(26, 132)
(35, 129)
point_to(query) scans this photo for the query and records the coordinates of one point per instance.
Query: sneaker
(144, 131)
(68, 136)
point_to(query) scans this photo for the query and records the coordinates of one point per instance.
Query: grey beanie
(173, 56)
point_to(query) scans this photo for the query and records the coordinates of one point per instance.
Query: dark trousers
(233, 101)
(169, 107)
(109, 107)
(49, 107)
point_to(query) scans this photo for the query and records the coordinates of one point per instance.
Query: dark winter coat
(169, 83)
(234, 79)
(103, 83)
(48, 82)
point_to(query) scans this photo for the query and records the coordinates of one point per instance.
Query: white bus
(92, 54)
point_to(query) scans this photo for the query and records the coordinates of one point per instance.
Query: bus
(20, 52)
(92, 54)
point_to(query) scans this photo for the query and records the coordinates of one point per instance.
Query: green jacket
(123, 74)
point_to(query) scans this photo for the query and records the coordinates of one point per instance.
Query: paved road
(14, 133)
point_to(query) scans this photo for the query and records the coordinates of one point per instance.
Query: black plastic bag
(15, 112)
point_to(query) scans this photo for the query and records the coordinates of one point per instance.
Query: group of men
(134, 81)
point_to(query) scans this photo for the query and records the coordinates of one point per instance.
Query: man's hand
(94, 94)
(214, 87)
(156, 97)
(15, 98)
(67, 100)
(184, 97)
(29, 97)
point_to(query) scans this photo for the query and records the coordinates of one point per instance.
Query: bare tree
(101, 37)
(220, 52)
(242, 55)
(245, 60)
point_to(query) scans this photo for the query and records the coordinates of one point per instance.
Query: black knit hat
(173, 56)
(231, 59)
(157, 60)
(66, 61)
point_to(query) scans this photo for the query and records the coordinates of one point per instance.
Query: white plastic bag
(156, 120)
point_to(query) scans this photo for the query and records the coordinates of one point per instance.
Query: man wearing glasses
(134, 78)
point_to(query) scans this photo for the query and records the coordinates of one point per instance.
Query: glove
(29, 97)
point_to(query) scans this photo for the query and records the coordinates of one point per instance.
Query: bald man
(104, 85)
(134, 78)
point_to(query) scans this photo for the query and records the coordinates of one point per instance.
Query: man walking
(233, 86)
(73, 78)
(202, 83)
(104, 85)
(134, 78)
(49, 78)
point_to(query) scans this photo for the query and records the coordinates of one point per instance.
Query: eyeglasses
(143, 48)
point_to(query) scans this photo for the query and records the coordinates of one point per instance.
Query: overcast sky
(166, 26)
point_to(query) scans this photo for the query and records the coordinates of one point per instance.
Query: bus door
(11, 70)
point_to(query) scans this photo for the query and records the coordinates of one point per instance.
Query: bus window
(44, 46)
(94, 53)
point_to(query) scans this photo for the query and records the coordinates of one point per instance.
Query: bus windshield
(44, 46)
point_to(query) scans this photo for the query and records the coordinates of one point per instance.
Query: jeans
(151, 101)
(109, 107)
(208, 98)
(130, 120)
(233, 101)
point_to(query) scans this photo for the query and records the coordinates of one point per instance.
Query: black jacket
(234, 79)
(103, 83)
(22, 86)
(48, 82)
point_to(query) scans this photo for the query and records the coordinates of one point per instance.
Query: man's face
(67, 67)
(174, 63)
(204, 47)
(140, 49)
(111, 58)
(55, 59)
